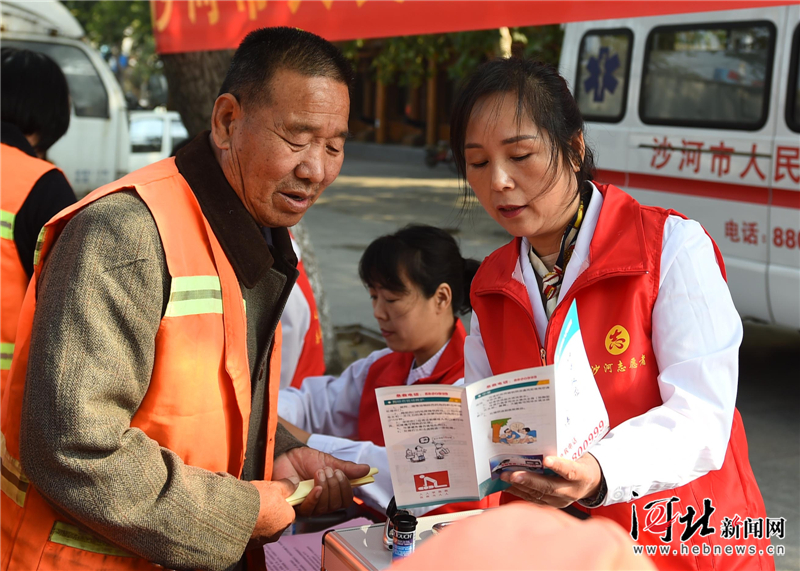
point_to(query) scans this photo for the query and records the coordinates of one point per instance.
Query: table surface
(367, 541)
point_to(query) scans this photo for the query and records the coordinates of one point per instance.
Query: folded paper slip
(305, 487)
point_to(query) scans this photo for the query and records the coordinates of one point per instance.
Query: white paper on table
(302, 552)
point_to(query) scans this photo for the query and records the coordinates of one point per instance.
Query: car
(94, 151)
(154, 135)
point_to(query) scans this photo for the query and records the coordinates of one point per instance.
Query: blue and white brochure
(450, 444)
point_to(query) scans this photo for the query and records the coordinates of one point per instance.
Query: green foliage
(541, 42)
(351, 49)
(109, 23)
(471, 49)
(404, 59)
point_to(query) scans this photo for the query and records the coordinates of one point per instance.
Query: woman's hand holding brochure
(574, 480)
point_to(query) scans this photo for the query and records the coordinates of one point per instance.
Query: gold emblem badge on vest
(616, 342)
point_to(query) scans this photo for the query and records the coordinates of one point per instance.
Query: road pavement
(381, 190)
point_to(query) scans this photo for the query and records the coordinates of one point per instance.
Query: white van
(94, 150)
(154, 136)
(701, 113)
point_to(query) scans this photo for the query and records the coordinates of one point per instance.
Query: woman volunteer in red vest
(660, 329)
(418, 282)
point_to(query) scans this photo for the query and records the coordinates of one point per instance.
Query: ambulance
(94, 151)
(701, 113)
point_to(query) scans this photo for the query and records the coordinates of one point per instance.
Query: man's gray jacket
(101, 296)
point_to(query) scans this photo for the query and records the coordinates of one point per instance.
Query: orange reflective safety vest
(198, 401)
(392, 371)
(619, 288)
(17, 178)
(312, 358)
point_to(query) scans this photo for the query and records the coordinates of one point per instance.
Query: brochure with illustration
(450, 444)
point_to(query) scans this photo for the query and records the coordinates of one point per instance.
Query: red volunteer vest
(616, 294)
(198, 401)
(392, 371)
(312, 358)
(18, 175)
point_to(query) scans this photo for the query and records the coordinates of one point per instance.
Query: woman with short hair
(419, 284)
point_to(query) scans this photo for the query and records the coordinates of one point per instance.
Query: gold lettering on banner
(213, 13)
(166, 14)
(360, 3)
(253, 7)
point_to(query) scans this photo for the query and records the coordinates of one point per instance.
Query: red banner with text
(200, 25)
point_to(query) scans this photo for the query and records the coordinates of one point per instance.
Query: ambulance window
(793, 98)
(708, 75)
(601, 87)
(89, 97)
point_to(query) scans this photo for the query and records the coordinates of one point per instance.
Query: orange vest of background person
(17, 178)
(619, 288)
(392, 371)
(198, 401)
(312, 358)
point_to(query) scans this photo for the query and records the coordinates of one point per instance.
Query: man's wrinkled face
(284, 153)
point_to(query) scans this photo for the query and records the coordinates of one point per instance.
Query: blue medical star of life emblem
(601, 74)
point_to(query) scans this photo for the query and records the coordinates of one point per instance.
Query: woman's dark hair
(265, 51)
(34, 95)
(542, 95)
(427, 256)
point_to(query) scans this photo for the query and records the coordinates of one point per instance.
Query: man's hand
(275, 513)
(332, 490)
(576, 480)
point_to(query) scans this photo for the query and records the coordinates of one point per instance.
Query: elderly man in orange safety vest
(139, 423)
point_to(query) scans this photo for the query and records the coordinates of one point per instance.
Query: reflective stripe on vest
(39, 245)
(71, 536)
(194, 295)
(14, 482)
(7, 225)
(6, 352)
